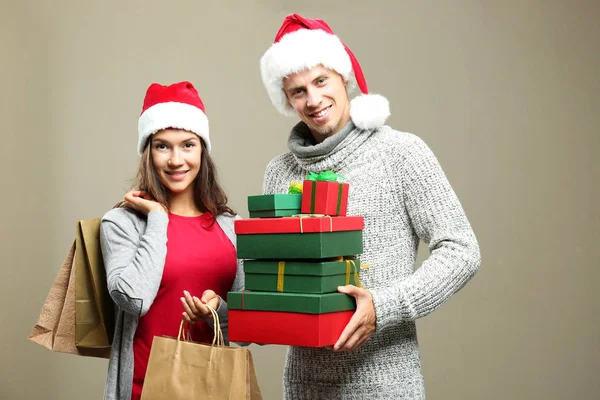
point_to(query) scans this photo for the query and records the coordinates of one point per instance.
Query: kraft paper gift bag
(55, 327)
(181, 369)
(94, 308)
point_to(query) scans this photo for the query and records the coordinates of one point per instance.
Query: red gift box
(286, 328)
(255, 226)
(324, 197)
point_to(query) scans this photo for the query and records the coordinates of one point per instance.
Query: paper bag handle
(217, 332)
(185, 338)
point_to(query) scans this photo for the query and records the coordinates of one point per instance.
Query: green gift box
(274, 205)
(298, 276)
(290, 302)
(317, 245)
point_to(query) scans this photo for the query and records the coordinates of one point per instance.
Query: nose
(176, 159)
(313, 98)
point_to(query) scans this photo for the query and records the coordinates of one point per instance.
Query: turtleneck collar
(332, 153)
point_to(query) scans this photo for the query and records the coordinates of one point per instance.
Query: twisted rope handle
(186, 336)
(217, 332)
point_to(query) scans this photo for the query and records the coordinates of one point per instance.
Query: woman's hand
(142, 202)
(196, 309)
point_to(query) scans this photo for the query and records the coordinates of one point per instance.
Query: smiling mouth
(321, 113)
(176, 174)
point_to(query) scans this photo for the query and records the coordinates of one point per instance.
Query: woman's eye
(160, 146)
(189, 145)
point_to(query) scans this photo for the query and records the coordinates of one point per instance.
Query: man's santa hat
(303, 43)
(177, 106)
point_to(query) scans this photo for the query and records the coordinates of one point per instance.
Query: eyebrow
(293, 88)
(193, 137)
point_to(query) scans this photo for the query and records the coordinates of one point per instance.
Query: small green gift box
(300, 276)
(274, 205)
(290, 302)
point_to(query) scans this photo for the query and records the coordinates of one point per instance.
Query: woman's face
(176, 155)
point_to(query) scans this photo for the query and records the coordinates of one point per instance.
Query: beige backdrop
(505, 93)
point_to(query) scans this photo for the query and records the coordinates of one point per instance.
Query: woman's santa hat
(304, 43)
(177, 106)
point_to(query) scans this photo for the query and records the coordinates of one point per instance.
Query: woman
(170, 247)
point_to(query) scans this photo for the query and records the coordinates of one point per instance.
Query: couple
(170, 248)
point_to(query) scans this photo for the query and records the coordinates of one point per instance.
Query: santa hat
(303, 43)
(176, 106)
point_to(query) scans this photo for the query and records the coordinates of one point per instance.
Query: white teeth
(322, 113)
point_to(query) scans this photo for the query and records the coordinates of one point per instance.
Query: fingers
(347, 332)
(352, 340)
(362, 324)
(357, 339)
(211, 298)
(351, 290)
(194, 309)
(142, 202)
(203, 311)
(139, 193)
(186, 317)
(187, 310)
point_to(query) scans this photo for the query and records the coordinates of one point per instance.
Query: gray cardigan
(134, 250)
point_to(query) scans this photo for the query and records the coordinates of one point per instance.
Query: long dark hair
(208, 194)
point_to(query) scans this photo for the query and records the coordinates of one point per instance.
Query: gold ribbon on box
(351, 269)
(350, 263)
(280, 275)
(301, 216)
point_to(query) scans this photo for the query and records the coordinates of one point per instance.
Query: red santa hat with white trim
(303, 43)
(176, 106)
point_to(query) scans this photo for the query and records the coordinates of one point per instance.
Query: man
(399, 188)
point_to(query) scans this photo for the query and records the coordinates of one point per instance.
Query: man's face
(319, 97)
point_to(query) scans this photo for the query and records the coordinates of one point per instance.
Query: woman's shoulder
(227, 219)
(124, 218)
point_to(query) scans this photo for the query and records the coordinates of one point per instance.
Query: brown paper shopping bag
(180, 369)
(55, 327)
(94, 309)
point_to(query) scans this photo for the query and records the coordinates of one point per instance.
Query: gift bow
(329, 176)
(295, 188)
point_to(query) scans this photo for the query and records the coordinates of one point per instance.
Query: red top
(198, 258)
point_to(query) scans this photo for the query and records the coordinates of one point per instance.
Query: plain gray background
(504, 92)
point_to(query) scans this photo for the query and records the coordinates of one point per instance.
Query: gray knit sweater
(397, 184)
(134, 250)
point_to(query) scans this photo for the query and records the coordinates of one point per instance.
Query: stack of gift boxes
(298, 248)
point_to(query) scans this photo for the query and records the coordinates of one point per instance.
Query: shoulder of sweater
(124, 218)
(400, 139)
(400, 144)
(227, 218)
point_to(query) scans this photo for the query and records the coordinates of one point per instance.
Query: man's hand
(362, 324)
(196, 309)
